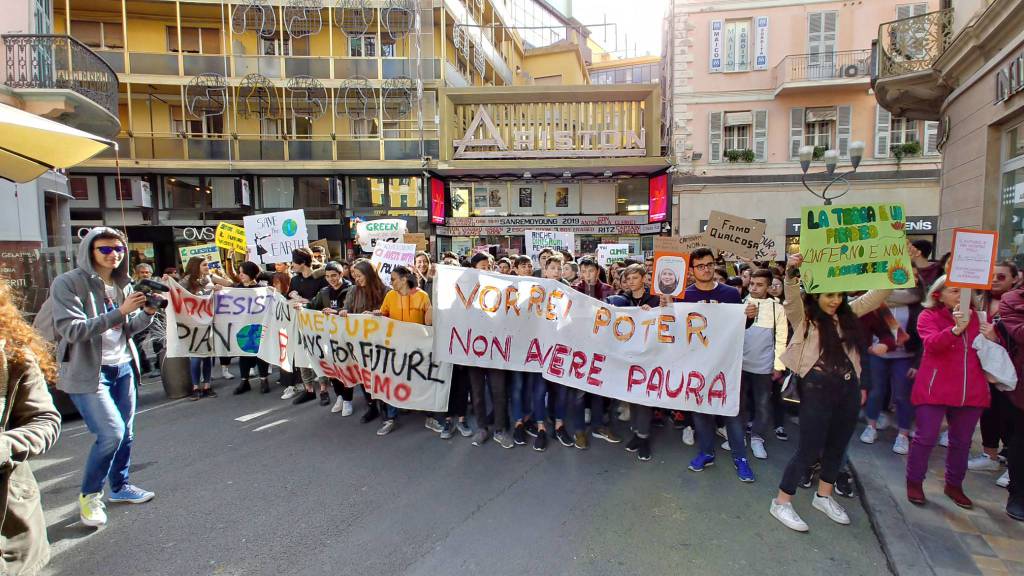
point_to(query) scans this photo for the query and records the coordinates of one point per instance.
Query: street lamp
(831, 158)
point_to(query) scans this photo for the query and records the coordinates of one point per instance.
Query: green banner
(854, 247)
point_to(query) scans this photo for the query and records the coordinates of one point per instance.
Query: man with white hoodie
(763, 345)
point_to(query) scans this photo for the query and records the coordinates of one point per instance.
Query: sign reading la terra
(546, 141)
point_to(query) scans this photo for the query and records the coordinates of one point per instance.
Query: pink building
(751, 82)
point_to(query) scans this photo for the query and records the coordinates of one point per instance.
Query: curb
(902, 551)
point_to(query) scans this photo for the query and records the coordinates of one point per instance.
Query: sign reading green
(854, 247)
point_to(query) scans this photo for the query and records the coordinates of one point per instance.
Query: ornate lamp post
(831, 158)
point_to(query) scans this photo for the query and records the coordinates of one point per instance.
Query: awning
(821, 114)
(30, 145)
(739, 118)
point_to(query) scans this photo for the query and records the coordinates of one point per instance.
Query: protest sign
(417, 238)
(537, 240)
(226, 323)
(669, 275)
(735, 234)
(972, 259)
(230, 237)
(854, 247)
(611, 253)
(387, 255)
(373, 232)
(677, 244)
(208, 252)
(272, 237)
(393, 360)
(684, 357)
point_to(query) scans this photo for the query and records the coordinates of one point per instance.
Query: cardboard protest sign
(230, 237)
(735, 234)
(765, 251)
(272, 237)
(854, 247)
(373, 232)
(685, 357)
(208, 252)
(417, 238)
(393, 360)
(611, 253)
(679, 244)
(973, 258)
(537, 240)
(387, 255)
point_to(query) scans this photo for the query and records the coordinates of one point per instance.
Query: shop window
(405, 192)
(632, 196)
(737, 46)
(365, 192)
(277, 192)
(1011, 206)
(222, 191)
(313, 191)
(185, 193)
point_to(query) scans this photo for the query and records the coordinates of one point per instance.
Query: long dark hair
(361, 299)
(192, 274)
(834, 347)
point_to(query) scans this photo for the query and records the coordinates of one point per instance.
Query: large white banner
(684, 357)
(272, 237)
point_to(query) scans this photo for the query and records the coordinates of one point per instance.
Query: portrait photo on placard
(670, 275)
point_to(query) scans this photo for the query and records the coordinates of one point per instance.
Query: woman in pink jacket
(950, 384)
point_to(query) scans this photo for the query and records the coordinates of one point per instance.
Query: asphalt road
(253, 485)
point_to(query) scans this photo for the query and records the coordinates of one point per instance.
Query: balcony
(60, 78)
(907, 84)
(810, 71)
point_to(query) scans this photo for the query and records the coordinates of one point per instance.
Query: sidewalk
(939, 537)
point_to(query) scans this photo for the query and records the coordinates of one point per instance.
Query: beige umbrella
(30, 145)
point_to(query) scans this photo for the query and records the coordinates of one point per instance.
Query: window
(313, 192)
(288, 46)
(1011, 205)
(194, 40)
(123, 190)
(902, 131)
(818, 134)
(737, 45)
(185, 192)
(737, 137)
(821, 38)
(204, 126)
(911, 10)
(363, 46)
(98, 34)
(387, 50)
(277, 191)
(79, 186)
(365, 192)
(405, 192)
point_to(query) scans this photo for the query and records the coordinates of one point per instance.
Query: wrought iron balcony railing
(59, 62)
(823, 66)
(913, 44)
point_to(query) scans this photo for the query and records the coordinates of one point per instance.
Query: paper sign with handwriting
(735, 234)
(972, 259)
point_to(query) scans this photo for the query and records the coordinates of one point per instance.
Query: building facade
(749, 83)
(963, 67)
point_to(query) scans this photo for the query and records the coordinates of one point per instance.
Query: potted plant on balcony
(904, 150)
(819, 152)
(744, 155)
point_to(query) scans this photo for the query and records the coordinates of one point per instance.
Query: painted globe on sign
(290, 227)
(248, 338)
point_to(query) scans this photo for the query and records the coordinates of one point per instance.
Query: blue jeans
(580, 402)
(886, 374)
(110, 416)
(558, 394)
(200, 369)
(704, 424)
(520, 387)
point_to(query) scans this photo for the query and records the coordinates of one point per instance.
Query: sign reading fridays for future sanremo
(272, 237)
(854, 247)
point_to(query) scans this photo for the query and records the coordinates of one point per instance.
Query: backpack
(43, 322)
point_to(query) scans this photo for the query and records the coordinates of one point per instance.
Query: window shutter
(931, 138)
(844, 116)
(796, 132)
(715, 137)
(919, 9)
(904, 11)
(761, 135)
(883, 122)
(814, 25)
(828, 31)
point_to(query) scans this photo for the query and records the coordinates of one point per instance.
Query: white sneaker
(983, 463)
(944, 439)
(386, 427)
(869, 435)
(883, 422)
(624, 414)
(901, 445)
(91, 509)
(757, 447)
(225, 373)
(339, 405)
(722, 433)
(289, 392)
(831, 508)
(1004, 480)
(346, 409)
(787, 515)
(688, 436)
(725, 446)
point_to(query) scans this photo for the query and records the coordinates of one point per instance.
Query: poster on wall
(272, 237)
(372, 232)
(562, 198)
(526, 197)
(715, 65)
(208, 252)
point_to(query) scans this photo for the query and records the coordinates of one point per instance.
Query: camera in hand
(150, 288)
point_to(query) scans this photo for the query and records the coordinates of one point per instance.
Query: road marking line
(253, 415)
(81, 426)
(271, 425)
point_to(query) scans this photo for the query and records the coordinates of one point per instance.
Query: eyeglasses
(108, 250)
(707, 266)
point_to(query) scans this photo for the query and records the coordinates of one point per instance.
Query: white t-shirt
(115, 346)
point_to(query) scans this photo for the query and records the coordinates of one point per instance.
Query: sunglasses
(108, 250)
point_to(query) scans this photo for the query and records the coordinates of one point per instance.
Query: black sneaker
(531, 428)
(564, 437)
(844, 484)
(195, 395)
(1015, 508)
(540, 443)
(209, 392)
(303, 397)
(264, 386)
(519, 434)
(644, 451)
(780, 433)
(370, 415)
(325, 398)
(242, 388)
(634, 443)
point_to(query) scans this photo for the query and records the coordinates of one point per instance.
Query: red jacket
(950, 372)
(601, 291)
(1011, 315)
